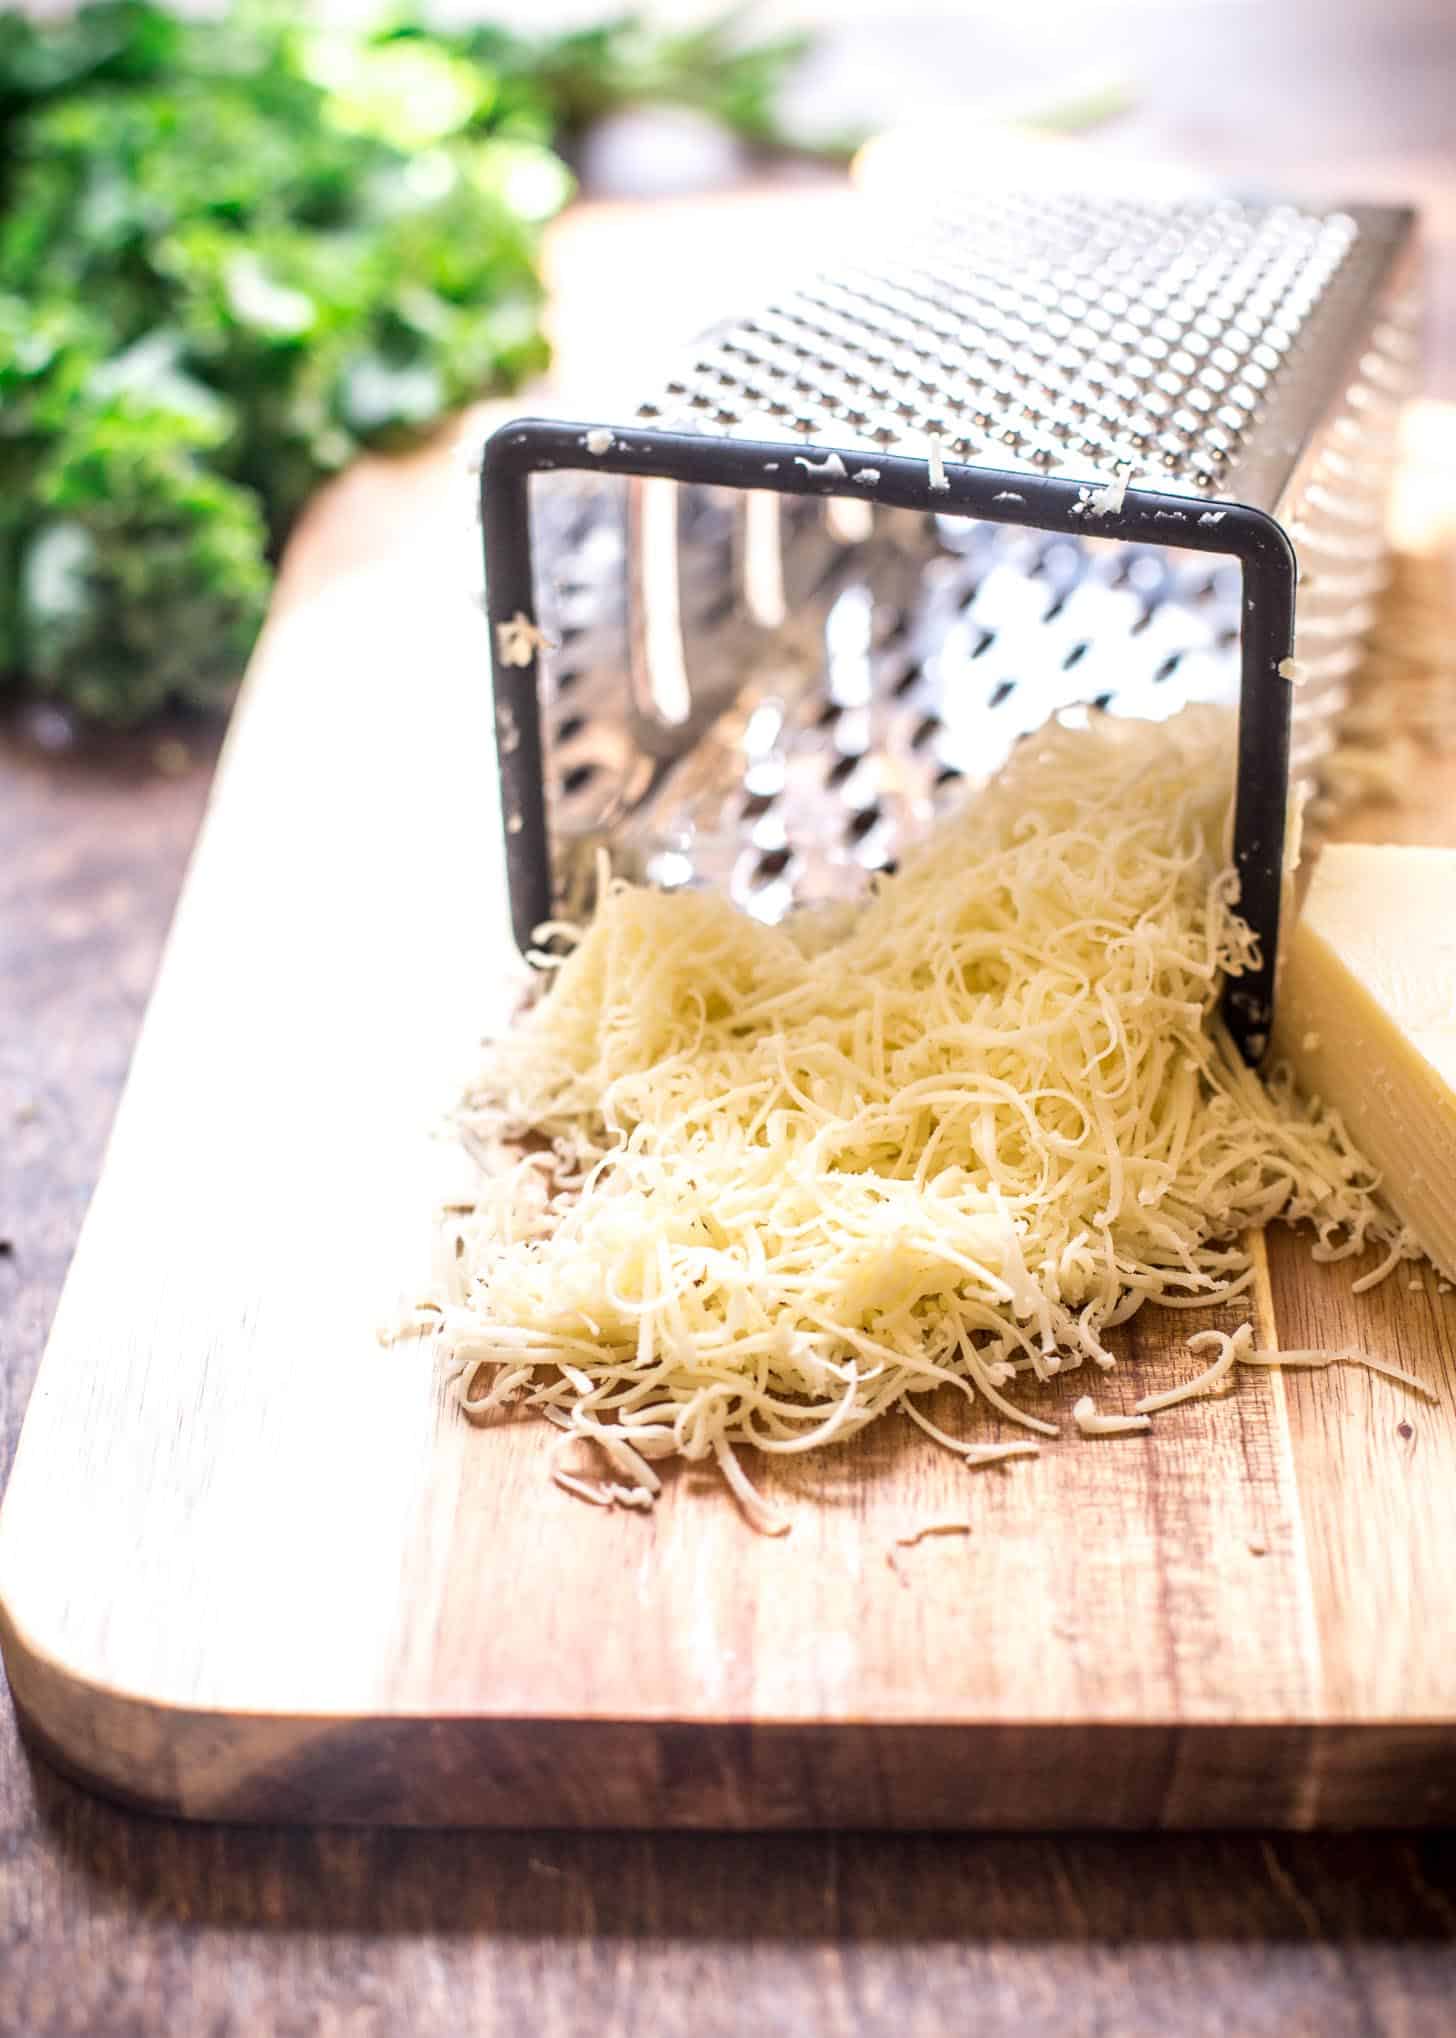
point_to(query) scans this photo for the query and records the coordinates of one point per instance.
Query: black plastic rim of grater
(530, 446)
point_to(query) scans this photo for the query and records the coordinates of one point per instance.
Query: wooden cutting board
(251, 1566)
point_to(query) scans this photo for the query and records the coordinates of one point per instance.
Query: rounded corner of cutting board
(149, 1753)
(83, 1726)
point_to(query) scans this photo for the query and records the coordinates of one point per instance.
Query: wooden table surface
(112, 1923)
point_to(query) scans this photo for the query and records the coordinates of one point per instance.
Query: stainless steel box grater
(1065, 453)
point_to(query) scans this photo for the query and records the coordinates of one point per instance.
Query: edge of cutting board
(437, 1770)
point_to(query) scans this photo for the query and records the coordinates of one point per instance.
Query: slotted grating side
(853, 731)
(1060, 334)
(812, 789)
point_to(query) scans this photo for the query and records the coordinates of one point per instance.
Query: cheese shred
(1346, 1356)
(752, 1188)
(1092, 1423)
(1230, 1348)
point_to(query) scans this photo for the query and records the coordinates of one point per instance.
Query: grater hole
(1075, 656)
(909, 679)
(578, 778)
(983, 643)
(571, 728)
(1059, 602)
(756, 805)
(1002, 690)
(565, 681)
(1102, 702)
(860, 822)
(840, 770)
(718, 610)
(1169, 666)
(924, 730)
(772, 864)
(1142, 622)
(949, 774)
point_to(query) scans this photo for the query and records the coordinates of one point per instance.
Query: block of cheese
(1367, 1016)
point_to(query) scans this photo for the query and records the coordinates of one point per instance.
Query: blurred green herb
(233, 252)
(585, 74)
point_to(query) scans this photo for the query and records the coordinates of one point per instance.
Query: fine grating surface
(1063, 333)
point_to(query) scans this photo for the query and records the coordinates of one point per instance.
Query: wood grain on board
(252, 1566)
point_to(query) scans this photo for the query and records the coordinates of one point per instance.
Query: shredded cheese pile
(784, 1181)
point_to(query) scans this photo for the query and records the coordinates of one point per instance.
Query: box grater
(1064, 454)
